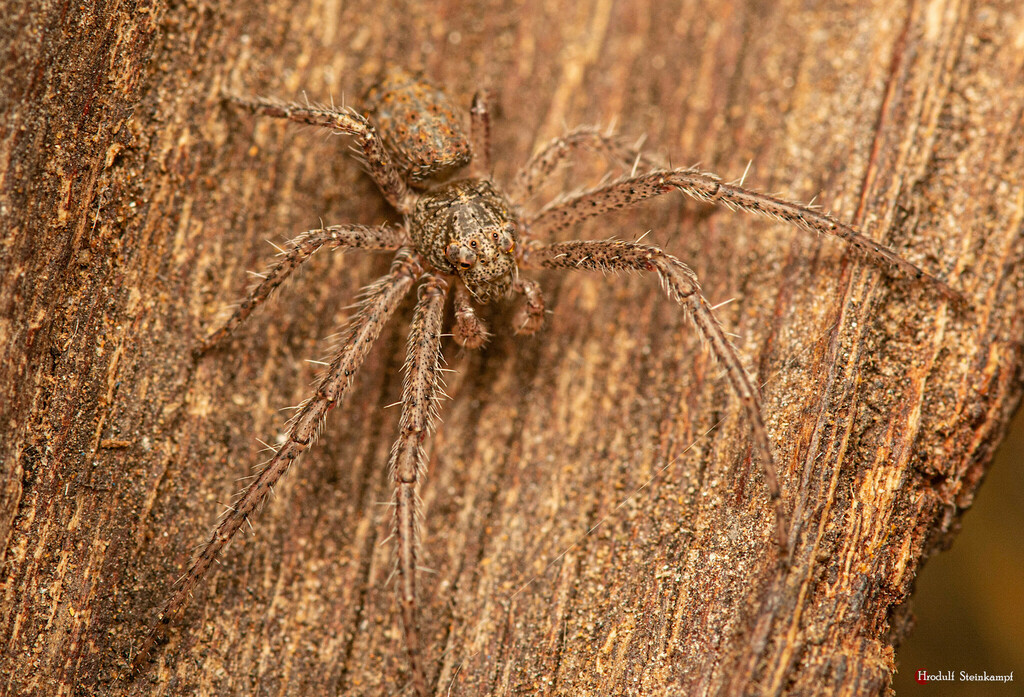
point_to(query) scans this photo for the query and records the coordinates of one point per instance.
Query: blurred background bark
(594, 521)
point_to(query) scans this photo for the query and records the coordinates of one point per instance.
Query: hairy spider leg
(709, 188)
(378, 163)
(297, 251)
(423, 388)
(380, 301)
(682, 286)
(480, 134)
(553, 155)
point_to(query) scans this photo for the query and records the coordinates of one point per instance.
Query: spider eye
(505, 240)
(460, 256)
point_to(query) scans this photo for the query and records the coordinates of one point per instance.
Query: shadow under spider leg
(682, 286)
(381, 300)
(297, 251)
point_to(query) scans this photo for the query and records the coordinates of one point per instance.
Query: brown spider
(467, 237)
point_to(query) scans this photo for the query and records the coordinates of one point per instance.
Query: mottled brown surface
(132, 201)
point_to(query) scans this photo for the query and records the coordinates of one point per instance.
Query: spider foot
(530, 316)
(469, 331)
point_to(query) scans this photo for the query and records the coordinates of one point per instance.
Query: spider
(467, 238)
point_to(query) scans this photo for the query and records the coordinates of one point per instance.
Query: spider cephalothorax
(463, 238)
(467, 229)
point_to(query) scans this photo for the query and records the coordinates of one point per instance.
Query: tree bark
(595, 519)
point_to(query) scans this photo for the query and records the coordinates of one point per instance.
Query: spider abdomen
(466, 228)
(419, 125)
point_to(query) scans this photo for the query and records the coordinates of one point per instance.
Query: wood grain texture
(594, 521)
